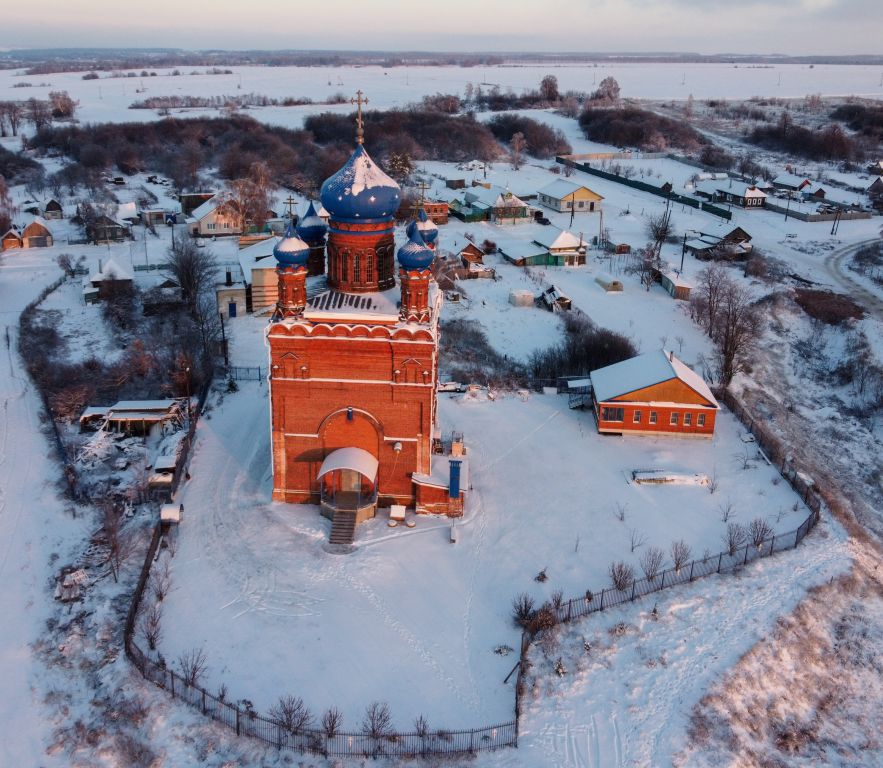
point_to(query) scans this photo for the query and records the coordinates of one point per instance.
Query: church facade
(354, 368)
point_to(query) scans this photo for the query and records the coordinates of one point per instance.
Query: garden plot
(411, 619)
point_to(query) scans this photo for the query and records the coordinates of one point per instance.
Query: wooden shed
(36, 234)
(12, 239)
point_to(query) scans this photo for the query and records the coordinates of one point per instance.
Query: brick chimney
(292, 290)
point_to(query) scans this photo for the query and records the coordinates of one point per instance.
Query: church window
(357, 269)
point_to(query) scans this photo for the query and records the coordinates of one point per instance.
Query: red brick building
(354, 369)
(653, 394)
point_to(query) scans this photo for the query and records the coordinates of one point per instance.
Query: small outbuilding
(37, 234)
(653, 394)
(521, 298)
(12, 239)
(51, 209)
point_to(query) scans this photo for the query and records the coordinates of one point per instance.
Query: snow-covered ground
(276, 613)
(35, 527)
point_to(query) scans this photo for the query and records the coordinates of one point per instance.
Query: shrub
(522, 609)
(622, 575)
(542, 141)
(632, 127)
(827, 306)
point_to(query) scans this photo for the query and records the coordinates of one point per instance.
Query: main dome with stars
(360, 191)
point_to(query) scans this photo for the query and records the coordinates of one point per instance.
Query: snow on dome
(360, 191)
(291, 251)
(414, 254)
(425, 226)
(311, 228)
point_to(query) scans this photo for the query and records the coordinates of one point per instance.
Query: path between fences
(247, 722)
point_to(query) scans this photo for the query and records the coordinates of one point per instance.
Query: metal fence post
(634, 584)
(236, 710)
(172, 678)
(662, 586)
(745, 561)
(692, 563)
(602, 600)
(720, 557)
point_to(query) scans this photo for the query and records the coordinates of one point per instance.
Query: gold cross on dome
(359, 100)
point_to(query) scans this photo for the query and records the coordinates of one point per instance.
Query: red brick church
(354, 368)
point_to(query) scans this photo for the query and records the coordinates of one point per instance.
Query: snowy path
(834, 265)
(32, 525)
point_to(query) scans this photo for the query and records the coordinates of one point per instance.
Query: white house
(208, 221)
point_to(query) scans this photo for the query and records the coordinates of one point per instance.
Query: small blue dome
(311, 228)
(291, 251)
(360, 191)
(414, 254)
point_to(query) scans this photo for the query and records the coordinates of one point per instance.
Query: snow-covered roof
(165, 462)
(142, 405)
(111, 267)
(257, 256)
(790, 180)
(495, 197)
(208, 207)
(355, 459)
(561, 188)
(40, 222)
(440, 472)
(381, 305)
(360, 190)
(559, 239)
(127, 211)
(644, 371)
(521, 250)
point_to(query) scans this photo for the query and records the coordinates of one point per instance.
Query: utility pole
(224, 340)
(683, 251)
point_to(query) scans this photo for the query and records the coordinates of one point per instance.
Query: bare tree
(161, 581)
(680, 554)
(7, 207)
(120, 543)
(707, 298)
(734, 538)
(737, 327)
(516, 149)
(759, 530)
(522, 609)
(193, 665)
(549, 88)
(246, 201)
(151, 626)
(38, 113)
(622, 575)
(290, 713)
(659, 229)
(727, 510)
(636, 539)
(607, 91)
(193, 269)
(377, 722)
(651, 562)
(332, 720)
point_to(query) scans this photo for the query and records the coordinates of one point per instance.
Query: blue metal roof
(360, 191)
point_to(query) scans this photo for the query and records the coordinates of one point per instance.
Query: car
(543, 220)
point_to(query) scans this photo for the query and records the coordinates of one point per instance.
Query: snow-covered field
(108, 99)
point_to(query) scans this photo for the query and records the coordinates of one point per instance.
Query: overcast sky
(793, 27)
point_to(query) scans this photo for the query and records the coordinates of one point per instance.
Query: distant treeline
(829, 142)
(864, 119)
(238, 101)
(541, 140)
(302, 159)
(633, 127)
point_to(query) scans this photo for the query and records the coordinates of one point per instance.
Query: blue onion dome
(427, 227)
(414, 254)
(291, 251)
(360, 191)
(311, 228)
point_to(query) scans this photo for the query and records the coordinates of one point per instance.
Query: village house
(136, 417)
(564, 249)
(875, 193)
(12, 239)
(190, 201)
(565, 196)
(471, 254)
(735, 244)
(653, 394)
(790, 183)
(37, 234)
(744, 195)
(52, 209)
(208, 220)
(490, 203)
(875, 169)
(104, 229)
(109, 280)
(676, 285)
(524, 254)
